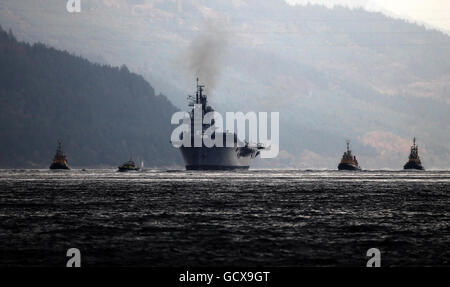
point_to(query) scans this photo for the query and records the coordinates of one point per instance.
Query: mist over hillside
(333, 74)
(102, 114)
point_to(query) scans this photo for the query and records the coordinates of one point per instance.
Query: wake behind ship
(238, 156)
(59, 160)
(348, 161)
(414, 159)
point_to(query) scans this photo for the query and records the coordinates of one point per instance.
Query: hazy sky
(435, 13)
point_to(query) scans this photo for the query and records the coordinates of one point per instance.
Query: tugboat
(348, 161)
(414, 159)
(59, 160)
(128, 166)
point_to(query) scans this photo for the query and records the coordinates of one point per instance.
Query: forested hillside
(102, 114)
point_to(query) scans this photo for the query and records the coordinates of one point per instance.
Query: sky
(432, 13)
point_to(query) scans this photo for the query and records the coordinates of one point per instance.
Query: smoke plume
(205, 55)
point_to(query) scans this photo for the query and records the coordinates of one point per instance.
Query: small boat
(128, 166)
(60, 159)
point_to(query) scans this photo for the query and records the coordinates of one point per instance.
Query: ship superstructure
(60, 159)
(222, 157)
(348, 161)
(414, 159)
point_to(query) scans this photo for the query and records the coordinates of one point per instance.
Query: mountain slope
(331, 73)
(102, 114)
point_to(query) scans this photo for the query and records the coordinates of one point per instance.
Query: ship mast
(414, 150)
(59, 151)
(200, 98)
(196, 94)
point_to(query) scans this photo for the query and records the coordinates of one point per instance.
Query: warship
(414, 159)
(128, 166)
(59, 160)
(348, 161)
(238, 156)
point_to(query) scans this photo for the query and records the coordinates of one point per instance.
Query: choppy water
(256, 218)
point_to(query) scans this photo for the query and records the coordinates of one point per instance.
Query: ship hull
(58, 166)
(413, 165)
(348, 166)
(215, 167)
(215, 158)
(124, 169)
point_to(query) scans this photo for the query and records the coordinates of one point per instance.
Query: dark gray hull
(58, 166)
(215, 167)
(215, 158)
(413, 165)
(124, 169)
(347, 166)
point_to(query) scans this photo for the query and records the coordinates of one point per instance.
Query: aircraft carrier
(238, 156)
